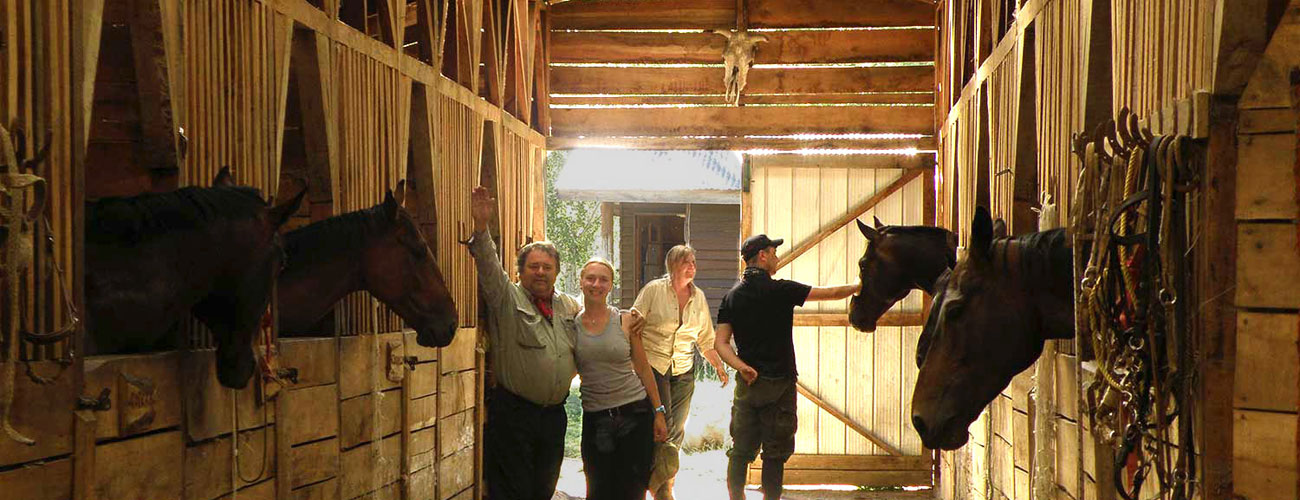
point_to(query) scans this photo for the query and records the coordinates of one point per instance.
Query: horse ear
(400, 193)
(280, 214)
(981, 233)
(879, 225)
(224, 178)
(391, 204)
(999, 228)
(867, 231)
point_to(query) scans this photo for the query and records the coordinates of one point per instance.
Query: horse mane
(134, 219)
(929, 232)
(1043, 254)
(349, 232)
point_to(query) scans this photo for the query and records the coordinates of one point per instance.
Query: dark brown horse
(898, 259)
(379, 250)
(153, 259)
(989, 323)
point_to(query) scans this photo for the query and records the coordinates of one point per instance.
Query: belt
(501, 393)
(638, 406)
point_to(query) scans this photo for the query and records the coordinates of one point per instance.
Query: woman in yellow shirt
(677, 321)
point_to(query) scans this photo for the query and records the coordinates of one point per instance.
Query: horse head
(897, 260)
(400, 270)
(987, 324)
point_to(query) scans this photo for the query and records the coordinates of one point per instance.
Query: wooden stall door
(855, 387)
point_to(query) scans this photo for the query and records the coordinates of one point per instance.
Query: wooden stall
(1018, 80)
(347, 97)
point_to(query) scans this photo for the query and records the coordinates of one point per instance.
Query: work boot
(737, 474)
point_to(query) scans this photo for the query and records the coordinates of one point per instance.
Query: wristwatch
(662, 410)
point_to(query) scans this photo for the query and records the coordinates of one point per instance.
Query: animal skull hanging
(737, 58)
(18, 190)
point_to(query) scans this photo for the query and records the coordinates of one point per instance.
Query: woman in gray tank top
(622, 415)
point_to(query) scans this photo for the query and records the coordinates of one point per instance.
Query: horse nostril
(918, 424)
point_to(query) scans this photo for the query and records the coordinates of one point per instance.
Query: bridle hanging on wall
(1130, 218)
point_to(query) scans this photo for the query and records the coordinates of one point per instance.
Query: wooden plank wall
(220, 71)
(1264, 405)
(714, 232)
(868, 376)
(997, 152)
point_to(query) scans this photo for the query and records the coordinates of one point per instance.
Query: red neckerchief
(544, 306)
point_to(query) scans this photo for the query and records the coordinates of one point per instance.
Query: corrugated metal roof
(640, 175)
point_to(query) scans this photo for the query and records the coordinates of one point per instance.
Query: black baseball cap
(757, 243)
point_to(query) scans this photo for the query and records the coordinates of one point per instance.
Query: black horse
(897, 260)
(154, 259)
(988, 323)
(379, 250)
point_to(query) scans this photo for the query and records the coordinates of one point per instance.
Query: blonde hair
(676, 256)
(582, 271)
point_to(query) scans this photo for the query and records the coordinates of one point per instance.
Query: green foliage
(572, 226)
(573, 429)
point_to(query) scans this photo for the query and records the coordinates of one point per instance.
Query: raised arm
(833, 292)
(722, 344)
(492, 278)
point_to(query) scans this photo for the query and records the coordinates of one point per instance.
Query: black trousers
(523, 447)
(617, 449)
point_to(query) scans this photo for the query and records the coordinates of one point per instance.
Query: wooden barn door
(855, 387)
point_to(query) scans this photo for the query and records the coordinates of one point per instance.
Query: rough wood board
(747, 120)
(782, 47)
(460, 354)
(208, 405)
(455, 473)
(424, 379)
(457, 394)
(762, 80)
(315, 412)
(207, 464)
(144, 467)
(1067, 386)
(422, 484)
(1269, 86)
(367, 467)
(365, 365)
(1264, 455)
(359, 415)
(1267, 266)
(43, 413)
(264, 490)
(854, 462)
(1067, 457)
(627, 14)
(314, 462)
(728, 142)
(1020, 430)
(1268, 362)
(856, 478)
(43, 481)
(818, 13)
(158, 370)
(456, 432)
(325, 490)
(1267, 121)
(315, 359)
(422, 354)
(424, 412)
(1265, 178)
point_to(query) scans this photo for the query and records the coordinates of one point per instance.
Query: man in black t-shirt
(759, 310)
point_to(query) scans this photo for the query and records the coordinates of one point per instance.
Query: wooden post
(1218, 327)
(149, 50)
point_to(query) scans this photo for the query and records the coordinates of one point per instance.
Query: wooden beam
(493, 53)
(890, 318)
(822, 14)
(751, 143)
(310, 63)
(782, 47)
(847, 421)
(153, 82)
(642, 14)
(389, 32)
(750, 120)
(718, 99)
(856, 462)
(542, 78)
(850, 216)
(426, 28)
(762, 80)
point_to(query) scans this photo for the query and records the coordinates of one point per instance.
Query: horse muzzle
(437, 333)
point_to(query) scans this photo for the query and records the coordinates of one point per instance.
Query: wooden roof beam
(749, 120)
(762, 80)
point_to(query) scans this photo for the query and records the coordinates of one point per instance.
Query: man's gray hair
(542, 246)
